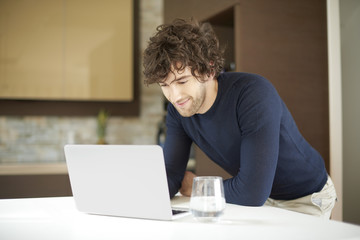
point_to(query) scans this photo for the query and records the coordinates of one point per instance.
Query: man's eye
(182, 82)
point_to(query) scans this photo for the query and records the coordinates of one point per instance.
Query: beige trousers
(318, 204)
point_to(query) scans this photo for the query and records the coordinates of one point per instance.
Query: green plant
(102, 119)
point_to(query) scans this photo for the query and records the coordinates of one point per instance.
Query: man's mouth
(182, 103)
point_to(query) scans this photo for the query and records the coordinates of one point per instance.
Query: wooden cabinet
(31, 49)
(72, 50)
(98, 62)
(286, 42)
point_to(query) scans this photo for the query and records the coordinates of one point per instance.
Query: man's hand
(186, 185)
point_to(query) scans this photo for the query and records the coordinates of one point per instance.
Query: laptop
(120, 180)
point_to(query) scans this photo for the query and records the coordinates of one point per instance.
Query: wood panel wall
(286, 42)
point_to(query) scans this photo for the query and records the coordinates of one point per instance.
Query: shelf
(33, 169)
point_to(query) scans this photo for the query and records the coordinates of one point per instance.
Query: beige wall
(335, 109)
(350, 62)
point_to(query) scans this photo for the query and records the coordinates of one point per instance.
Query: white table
(58, 218)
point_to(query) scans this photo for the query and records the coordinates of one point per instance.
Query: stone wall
(41, 138)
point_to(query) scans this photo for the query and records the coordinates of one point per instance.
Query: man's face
(185, 92)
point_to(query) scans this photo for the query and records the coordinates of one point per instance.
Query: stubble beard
(193, 108)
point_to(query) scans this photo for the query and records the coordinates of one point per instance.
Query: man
(237, 119)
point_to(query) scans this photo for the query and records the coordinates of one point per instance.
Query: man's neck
(211, 94)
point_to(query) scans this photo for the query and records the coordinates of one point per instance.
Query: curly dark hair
(183, 43)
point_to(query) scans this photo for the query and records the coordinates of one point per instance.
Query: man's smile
(182, 103)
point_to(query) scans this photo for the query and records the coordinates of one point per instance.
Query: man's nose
(175, 93)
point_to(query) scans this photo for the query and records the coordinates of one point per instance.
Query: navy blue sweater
(250, 133)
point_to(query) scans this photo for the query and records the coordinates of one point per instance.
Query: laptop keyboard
(174, 211)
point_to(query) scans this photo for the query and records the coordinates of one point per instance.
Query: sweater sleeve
(259, 115)
(176, 151)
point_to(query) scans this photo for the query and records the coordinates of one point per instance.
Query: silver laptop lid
(119, 180)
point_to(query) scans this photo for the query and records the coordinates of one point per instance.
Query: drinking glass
(207, 201)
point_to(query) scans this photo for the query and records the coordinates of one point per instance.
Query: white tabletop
(58, 218)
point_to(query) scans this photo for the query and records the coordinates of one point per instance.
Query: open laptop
(120, 180)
